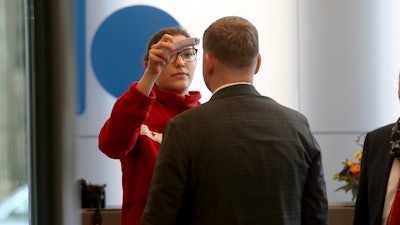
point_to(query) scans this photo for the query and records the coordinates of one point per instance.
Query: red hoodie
(133, 135)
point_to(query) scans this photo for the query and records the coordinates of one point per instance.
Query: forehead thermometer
(179, 45)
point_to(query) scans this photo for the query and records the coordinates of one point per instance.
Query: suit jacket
(375, 169)
(240, 158)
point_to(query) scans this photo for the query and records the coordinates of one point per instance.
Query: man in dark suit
(376, 164)
(379, 175)
(240, 158)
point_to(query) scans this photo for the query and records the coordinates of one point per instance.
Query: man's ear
(208, 63)
(258, 64)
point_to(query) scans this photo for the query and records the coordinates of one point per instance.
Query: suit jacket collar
(234, 90)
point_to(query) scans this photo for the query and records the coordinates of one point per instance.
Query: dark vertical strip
(41, 114)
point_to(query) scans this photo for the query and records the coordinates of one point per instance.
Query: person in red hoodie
(133, 132)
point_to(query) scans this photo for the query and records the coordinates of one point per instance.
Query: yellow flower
(358, 155)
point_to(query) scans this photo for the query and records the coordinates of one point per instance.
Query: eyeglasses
(188, 55)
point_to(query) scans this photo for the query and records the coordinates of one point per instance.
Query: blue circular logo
(120, 42)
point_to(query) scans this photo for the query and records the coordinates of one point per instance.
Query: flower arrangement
(350, 173)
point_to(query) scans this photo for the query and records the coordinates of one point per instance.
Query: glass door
(14, 157)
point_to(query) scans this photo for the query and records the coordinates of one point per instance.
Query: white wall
(348, 74)
(333, 61)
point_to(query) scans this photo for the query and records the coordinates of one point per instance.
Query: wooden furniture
(339, 214)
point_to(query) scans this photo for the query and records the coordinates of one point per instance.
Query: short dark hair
(174, 31)
(232, 40)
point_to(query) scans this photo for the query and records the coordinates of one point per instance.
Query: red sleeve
(120, 132)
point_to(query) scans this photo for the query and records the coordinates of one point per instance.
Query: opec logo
(118, 46)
